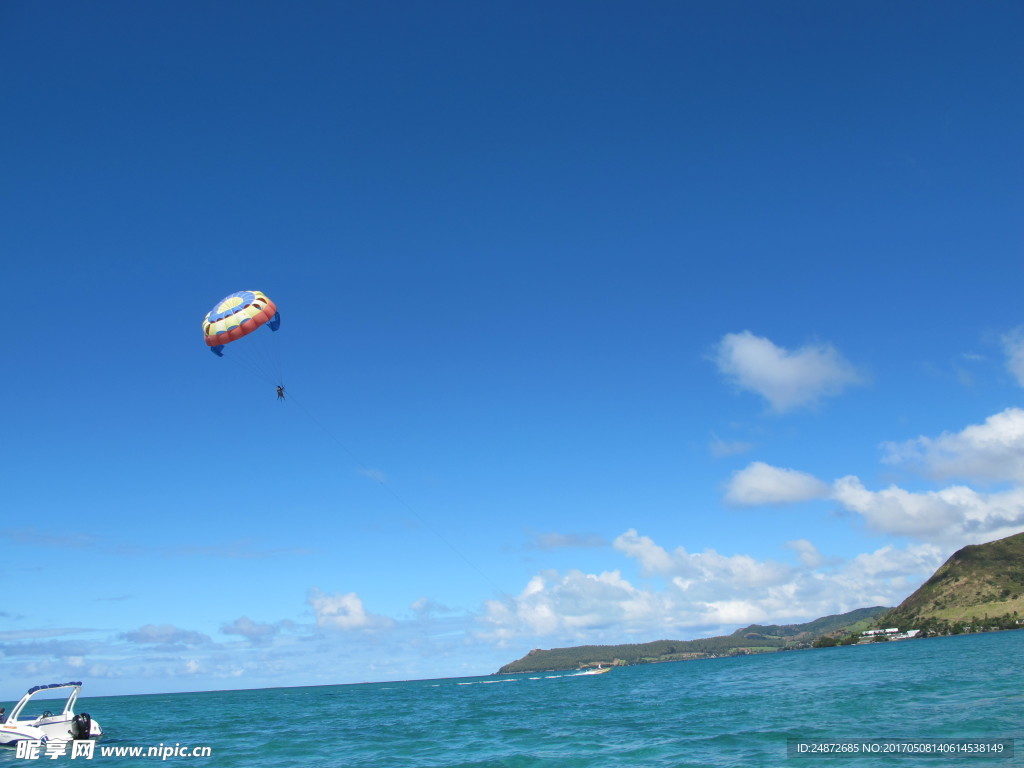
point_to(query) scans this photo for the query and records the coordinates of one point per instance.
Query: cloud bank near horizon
(703, 593)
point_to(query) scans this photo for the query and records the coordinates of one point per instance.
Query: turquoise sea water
(718, 712)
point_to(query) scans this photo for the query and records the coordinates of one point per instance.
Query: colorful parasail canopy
(236, 316)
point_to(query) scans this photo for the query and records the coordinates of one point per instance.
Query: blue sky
(602, 322)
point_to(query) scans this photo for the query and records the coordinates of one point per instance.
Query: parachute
(236, 316)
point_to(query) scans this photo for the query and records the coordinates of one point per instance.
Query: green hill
(818, 627)
(978, 580)
(753, 639)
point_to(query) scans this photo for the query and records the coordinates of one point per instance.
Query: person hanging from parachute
(235, 317)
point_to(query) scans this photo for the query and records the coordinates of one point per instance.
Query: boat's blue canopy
(52, 685)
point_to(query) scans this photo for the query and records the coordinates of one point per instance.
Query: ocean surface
(718, 712)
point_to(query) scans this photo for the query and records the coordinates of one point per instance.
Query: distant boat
(599, 670)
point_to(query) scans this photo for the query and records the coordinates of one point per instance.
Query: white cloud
(689, 570)
(425, 607)
(990, 451)
(735, 612)
(762, 483)
(250, 629)
(653, 559)
(573, 604)
(883, 577)
(1013, 346)
(889, 561)
(956, 515)
(164, 634)
(807, 552)
(786, 379)
(340, 611)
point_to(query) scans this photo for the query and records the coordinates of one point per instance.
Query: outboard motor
(81, 727)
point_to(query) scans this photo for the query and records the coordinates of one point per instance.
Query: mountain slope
(977, 580)
(815, 628)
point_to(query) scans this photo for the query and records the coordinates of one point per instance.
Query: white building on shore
(892, 633)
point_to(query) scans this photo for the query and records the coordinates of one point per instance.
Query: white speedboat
(36, 720)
